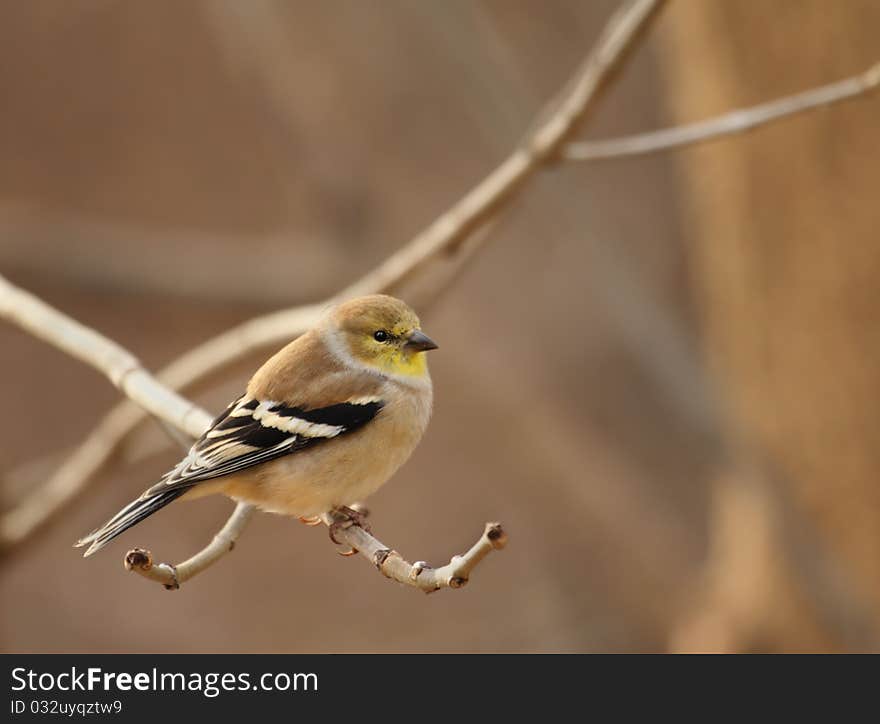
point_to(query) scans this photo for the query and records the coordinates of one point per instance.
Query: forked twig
(454, 574)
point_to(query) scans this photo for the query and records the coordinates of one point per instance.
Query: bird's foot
(311, 520)
(345, 517)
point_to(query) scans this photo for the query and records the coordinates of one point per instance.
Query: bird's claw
(311, 520)
(347, 517)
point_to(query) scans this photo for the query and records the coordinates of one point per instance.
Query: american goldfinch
(324, 422)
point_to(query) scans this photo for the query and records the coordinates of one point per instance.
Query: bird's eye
(380, 336)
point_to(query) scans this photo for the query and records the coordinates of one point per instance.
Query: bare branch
(447, 236)
(172, 576)
(118, 364)
(739, 121)
(454, 574)
(451, 240)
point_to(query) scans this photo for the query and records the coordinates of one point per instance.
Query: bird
(324, 423)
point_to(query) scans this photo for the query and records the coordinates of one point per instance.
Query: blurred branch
(451, 239)
(71, 477)
(65, 466)
(739, 121)
(539, 148)
(445, 238)
(124, 371)
(118, 364)
(83, 250)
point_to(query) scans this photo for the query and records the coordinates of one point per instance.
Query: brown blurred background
(662, 374)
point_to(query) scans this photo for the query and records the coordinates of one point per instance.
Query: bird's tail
(130, 515)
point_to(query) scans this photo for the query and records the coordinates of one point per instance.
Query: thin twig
(739, 121)
(172, 576)
(454, 574)
(451, 239)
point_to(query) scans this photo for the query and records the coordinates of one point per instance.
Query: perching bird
(324, 422)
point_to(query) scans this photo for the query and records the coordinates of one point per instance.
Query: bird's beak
(420, 342)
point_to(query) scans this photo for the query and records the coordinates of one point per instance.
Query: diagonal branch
(171, 576)
(454, 574)
(120, 366)
(446, 237)
(451, 240)
(739, 121)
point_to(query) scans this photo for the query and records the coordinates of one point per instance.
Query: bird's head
(382, 333)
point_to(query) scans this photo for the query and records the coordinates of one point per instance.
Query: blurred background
(661, 374)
